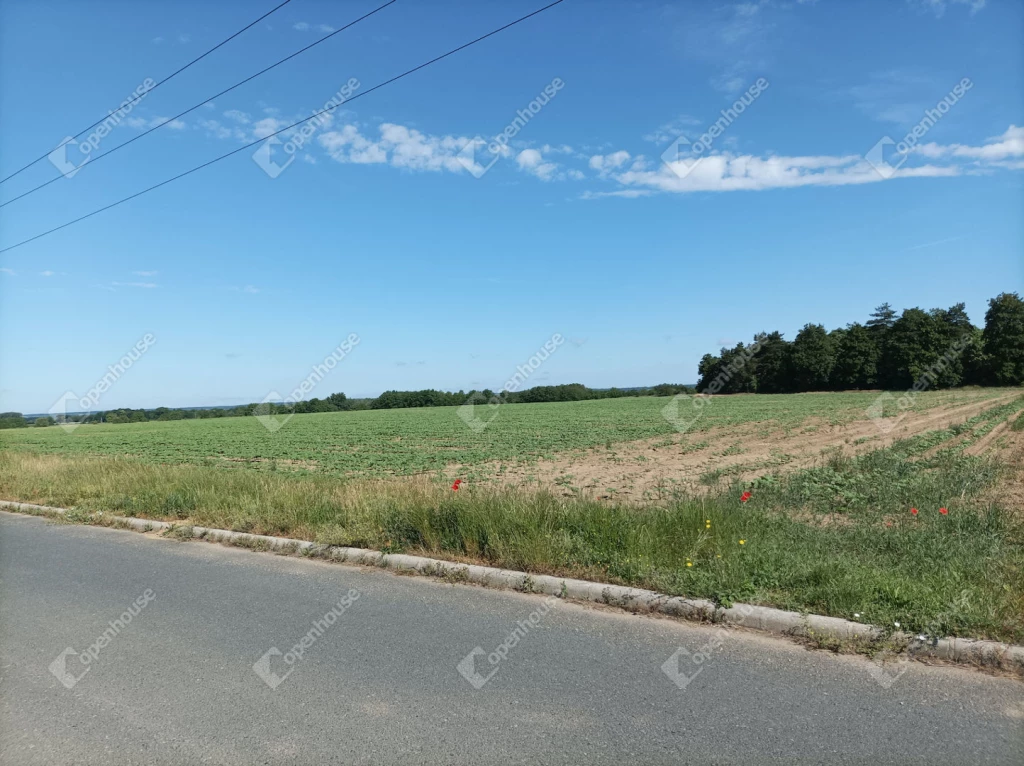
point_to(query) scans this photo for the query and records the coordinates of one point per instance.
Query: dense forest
(931, 349)
(934, 349)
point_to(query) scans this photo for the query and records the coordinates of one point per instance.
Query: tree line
(940, 347)
(338, 402)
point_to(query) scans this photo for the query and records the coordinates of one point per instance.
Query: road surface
(120, 648)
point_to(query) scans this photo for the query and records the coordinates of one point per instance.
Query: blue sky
(580, 227)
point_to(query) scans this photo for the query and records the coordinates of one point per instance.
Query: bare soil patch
(652, 469)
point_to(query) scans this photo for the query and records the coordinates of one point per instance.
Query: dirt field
(651, 468)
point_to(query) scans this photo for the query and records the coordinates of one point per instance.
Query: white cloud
(142, 123)
(238, 116)
(302, 26)
(626, 193)
(398, 146)
(1009, 144)
(9, 272)
(173, 124)
(143, 285)
(145, 273)
(730, 172)
(557, 149)
(938, 7)
(223, 132)
(895, 95)
(532, 162)
(47, 273)
(671, 130)
(606, 163)
(325, 28)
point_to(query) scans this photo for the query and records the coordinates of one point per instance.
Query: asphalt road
(378, 680)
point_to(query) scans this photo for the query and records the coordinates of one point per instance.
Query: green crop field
(411, 441)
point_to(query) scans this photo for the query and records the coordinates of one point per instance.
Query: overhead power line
(95, 157)
(282, 130)
(157, 85)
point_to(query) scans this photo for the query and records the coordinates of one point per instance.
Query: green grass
(403, 442)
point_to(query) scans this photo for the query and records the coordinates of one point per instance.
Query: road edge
(991, 654)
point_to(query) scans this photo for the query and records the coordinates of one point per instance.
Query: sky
(603, 219)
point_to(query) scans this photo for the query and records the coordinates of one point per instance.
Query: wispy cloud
(672, 129)
(630, 175)
(9, 272)
(243, 118)
(1001, 147)
(895, 95)
(924, 245)
(143, 123)
(305, 26)
(532, 161)
(141, 285)
(145, 273)
(728, 171)
(938, 7)
(396, 145)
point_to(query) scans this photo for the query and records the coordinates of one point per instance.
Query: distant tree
(913, 344)
(1003, 339)
(975, 362)
(772, 364)
(882, 319)
(13, 420)
(738, 364)
(955, 330)
(43, 422)
(812, 358)
(339, 401)
(857, 355)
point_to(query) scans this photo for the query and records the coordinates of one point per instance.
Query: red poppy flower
(455, 486)
(913, 511)
(744, 497)
(943, 511)
(888, 523)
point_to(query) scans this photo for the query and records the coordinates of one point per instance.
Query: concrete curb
(762, 618)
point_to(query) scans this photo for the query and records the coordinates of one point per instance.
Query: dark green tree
(913, 344)
(812, 358)
(1004, 339)
(772, 364)
(856, 359)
